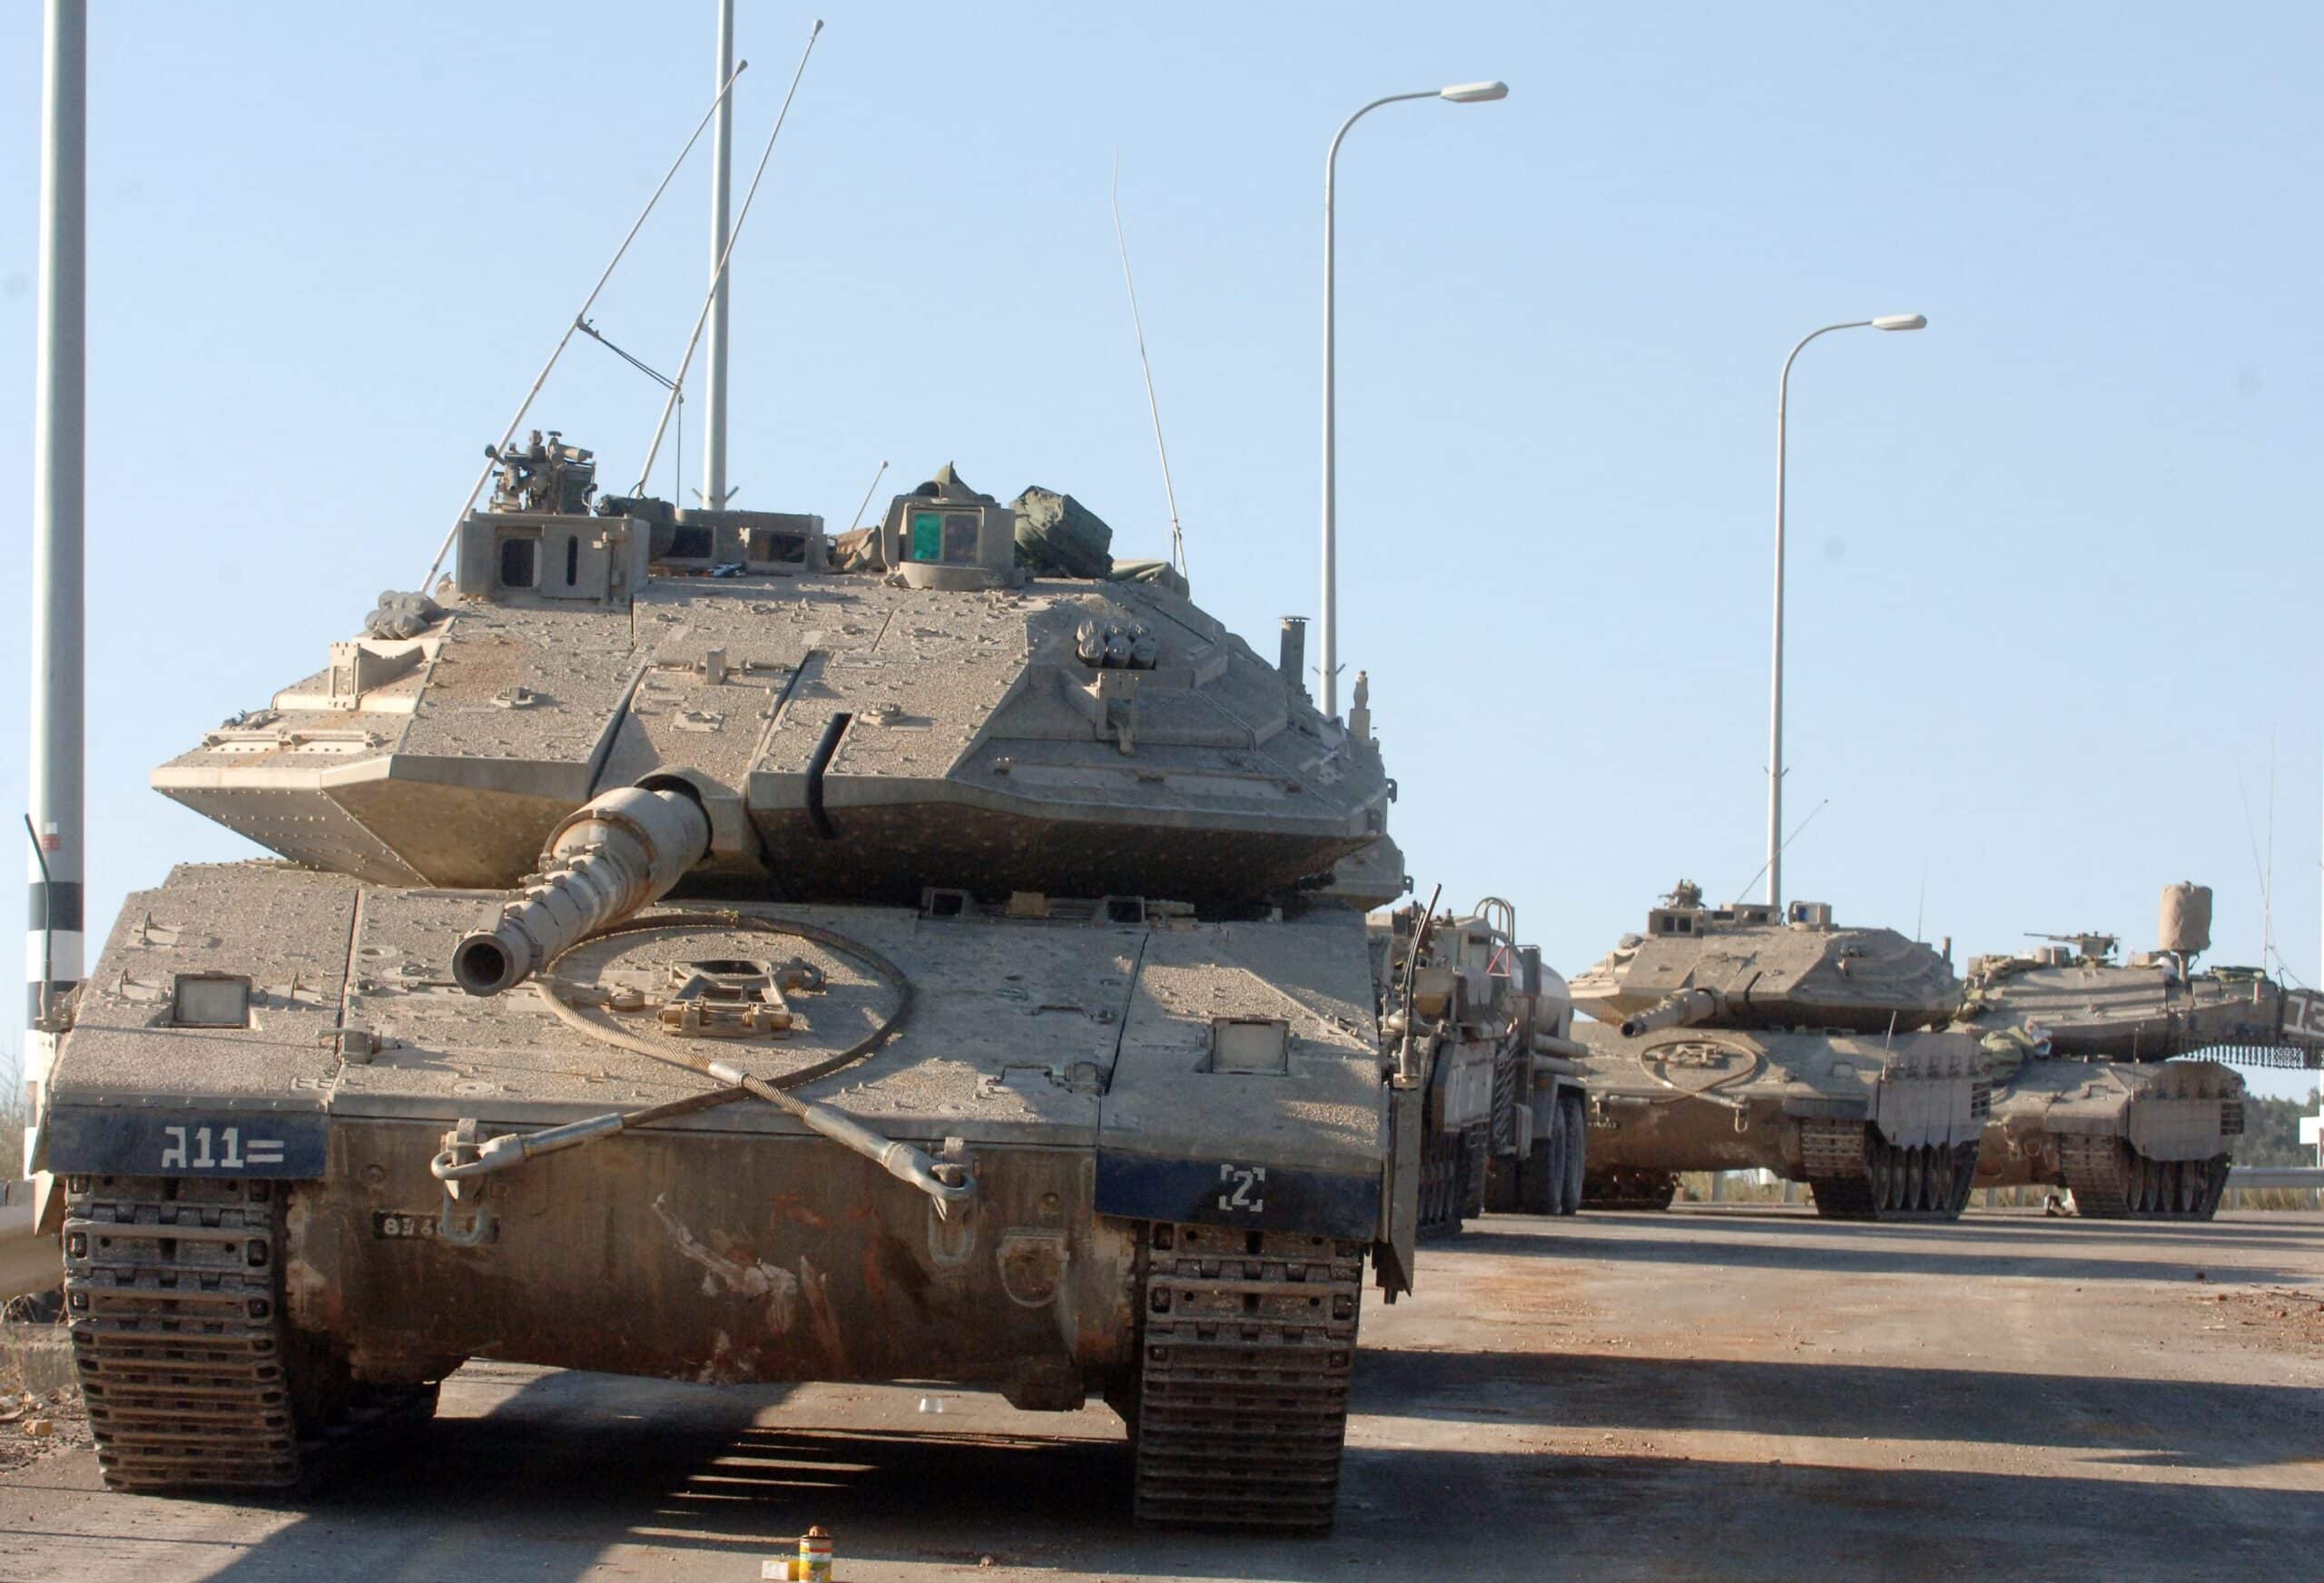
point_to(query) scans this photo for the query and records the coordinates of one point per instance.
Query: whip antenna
(1178, 539)
(866, 505)
(1793, 836)
(563, 341)
(718, 277)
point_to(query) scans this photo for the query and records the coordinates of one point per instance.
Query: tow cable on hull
(948, 1183)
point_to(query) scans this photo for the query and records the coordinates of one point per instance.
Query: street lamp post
(1458, 94)
(1775, 707)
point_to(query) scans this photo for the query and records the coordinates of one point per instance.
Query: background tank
(2093, 1089)
(1728, 1039)
(694, 961)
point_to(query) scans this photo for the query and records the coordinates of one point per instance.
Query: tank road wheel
(1574, 1120)
(1247, 1341)
(190, 1370)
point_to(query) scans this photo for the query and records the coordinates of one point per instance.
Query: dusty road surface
(1715, 1394)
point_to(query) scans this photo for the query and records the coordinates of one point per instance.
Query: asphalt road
(1716, 1395)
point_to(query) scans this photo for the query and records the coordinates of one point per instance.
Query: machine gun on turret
(2096, 949)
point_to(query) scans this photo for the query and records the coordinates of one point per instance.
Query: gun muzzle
(614, 855)
(1684, 1009)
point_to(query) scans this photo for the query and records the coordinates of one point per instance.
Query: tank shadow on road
(518, 1494)
(2289, 1231)
(2175, 1423)
(1861, 1250)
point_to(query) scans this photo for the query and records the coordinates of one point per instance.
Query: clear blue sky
(2049, 555)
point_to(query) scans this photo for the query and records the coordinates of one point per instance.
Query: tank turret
(1744, 966)
(944, 717)
(2075, 997)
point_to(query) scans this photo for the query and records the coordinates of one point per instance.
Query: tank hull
(2147, 1141)
(1899, 1118)
(1177, 1132)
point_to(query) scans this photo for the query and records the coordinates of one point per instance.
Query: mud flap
(1391, 1253)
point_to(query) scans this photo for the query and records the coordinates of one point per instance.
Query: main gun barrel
(616, 853)
(1684, 1009)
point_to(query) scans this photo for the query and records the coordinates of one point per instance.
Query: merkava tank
(1504, 1120)
(689, 959)
(1728, 1037)
(2093, 1087)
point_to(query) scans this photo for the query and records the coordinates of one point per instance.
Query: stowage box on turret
(1729, 1039)
(691, 959)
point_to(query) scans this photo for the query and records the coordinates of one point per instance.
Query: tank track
(189, 1370)
(1247, 1344)
(1855, 1174)
(2112, 1181)
(1630, 1189)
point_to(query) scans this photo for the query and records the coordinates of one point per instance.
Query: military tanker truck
(1505, 1120)
(685, 958)
(2093, 1089)
(1730, 1038)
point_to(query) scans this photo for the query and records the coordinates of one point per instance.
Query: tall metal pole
(1328, 629)
(59, 404)
(714, 367)
(1775, 691)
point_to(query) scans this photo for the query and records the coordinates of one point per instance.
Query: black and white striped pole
(55, 866)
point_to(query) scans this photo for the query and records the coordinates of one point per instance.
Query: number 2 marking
(1244, 1178)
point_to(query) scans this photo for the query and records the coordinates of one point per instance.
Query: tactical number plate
(185, 1142)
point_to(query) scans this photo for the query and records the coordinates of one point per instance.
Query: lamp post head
(1901, 322)
(1474, 93)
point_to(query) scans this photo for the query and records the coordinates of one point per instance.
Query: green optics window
(927, 536)
(960, 537)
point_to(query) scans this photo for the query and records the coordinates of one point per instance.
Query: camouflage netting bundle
(1058, 536)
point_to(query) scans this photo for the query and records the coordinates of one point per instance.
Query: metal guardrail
(2275, 1176)
(29, 1263)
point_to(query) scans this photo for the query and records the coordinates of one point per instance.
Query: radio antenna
(493, 455)
(1178, 539)
(866, 505)
(1793, 836)
(718, 277)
